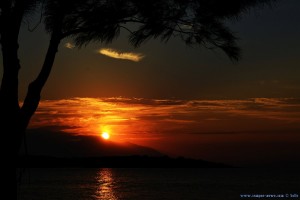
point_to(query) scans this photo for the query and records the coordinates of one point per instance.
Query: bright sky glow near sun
(105, 135)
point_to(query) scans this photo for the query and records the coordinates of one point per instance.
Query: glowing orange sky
(212, 129)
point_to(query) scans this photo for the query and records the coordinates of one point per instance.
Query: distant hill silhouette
(51, 141)
(115, 162)
(51, 147)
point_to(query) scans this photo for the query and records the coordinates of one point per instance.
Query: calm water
(152, 183)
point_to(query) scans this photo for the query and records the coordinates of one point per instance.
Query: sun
(105, 135)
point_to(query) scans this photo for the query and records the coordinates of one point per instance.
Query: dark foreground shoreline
(115, 162)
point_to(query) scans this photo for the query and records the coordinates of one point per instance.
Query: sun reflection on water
(105, 190)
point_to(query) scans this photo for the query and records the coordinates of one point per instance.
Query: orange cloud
(136, 117)
(135, 57)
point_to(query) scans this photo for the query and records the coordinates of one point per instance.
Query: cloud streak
(69, 45)
(135, 57)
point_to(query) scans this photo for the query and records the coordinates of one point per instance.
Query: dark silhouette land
(69, 150)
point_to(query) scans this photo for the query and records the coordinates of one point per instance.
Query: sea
(158, 183)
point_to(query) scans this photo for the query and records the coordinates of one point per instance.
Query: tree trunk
(10, 22)
(11, 18)
(9, 105)
(13, 119)
(32, 98)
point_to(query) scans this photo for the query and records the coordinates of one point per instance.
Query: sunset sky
(179, 100)
(250, 132)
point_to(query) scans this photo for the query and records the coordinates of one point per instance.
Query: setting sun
(105, 135)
